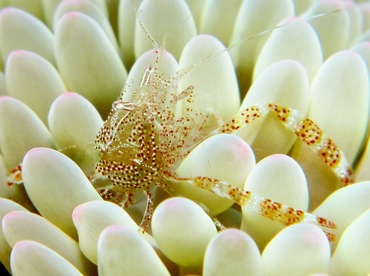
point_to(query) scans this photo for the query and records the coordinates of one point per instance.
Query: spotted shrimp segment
(15, 176)
(266, 207)
(305, 129)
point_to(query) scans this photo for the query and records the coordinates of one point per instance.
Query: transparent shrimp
(143, 141)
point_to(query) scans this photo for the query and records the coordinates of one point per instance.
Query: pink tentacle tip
(7, 10)
(19, 52)
(68, 94)
(292, 19)
(36, 151)
(10, 215)
(77, 214)
(24, 245)
(115, 228)
(6, 98)
(241, 148)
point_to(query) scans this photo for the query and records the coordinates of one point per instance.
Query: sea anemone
(75, 71)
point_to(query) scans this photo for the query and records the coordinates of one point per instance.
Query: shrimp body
(143, 141)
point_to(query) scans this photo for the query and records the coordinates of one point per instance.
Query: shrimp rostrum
(145, 139)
